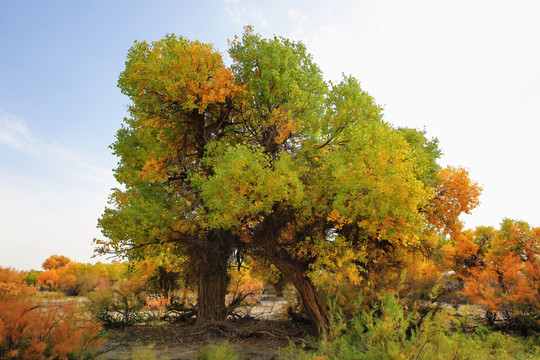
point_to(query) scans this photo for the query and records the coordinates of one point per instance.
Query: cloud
(51, 197)
(13, 133)
(242, 14)
(296, 15)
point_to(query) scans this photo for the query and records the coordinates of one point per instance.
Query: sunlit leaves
(245, 182)
(456, 193)
(371, 179)
(178, 70)
(285, 89)
(500, 268)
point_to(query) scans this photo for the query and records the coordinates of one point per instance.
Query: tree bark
(314, 306)
(295, 270)
(212, 261)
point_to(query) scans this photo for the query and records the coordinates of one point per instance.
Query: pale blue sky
(467, 71)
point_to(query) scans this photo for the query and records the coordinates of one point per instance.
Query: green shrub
(218, 352)
(31, 277)
(145, 353)
(387, 331)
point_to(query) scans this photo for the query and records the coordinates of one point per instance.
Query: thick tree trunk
(212, 261)
(213, 283)
(315, 307)
(266, 237)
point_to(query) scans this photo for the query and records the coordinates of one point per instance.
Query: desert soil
(258, 334)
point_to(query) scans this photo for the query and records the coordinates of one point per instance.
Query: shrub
(12, 283)
(157, 307)
(387, 332)
(244, 287)
(48, 280)
(31, 277)
(218, 352)
(119, 305)
(144, 353)
(501, 272)
(30, 330)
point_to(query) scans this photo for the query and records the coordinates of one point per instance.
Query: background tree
(455, 194)
(54, 262)
(505, 276)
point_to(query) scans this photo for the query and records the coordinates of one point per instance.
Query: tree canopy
(266, 157)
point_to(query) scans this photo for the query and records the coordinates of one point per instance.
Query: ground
(258, 335)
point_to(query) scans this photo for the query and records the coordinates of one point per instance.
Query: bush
(119, 305)
(244, 287)
(30, 330)
(144, 353)
(218, 352)
(387, 332)
(31, 277)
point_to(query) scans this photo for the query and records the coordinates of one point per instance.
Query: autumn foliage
(55, 262)
(234, 178)
(500, 270)
(30, 329)
(456, 194)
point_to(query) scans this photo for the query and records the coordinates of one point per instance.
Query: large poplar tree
(263, 155)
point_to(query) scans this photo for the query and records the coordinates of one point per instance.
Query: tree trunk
(315, 307)
(266, 237)
(279, 285)
(213, 283)
(212, 261)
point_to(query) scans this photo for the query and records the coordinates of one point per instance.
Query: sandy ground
(258, 334)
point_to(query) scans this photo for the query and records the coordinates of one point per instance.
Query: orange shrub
(500, 270)
(12, 282)
(245, 285)
(30, 330)
(118, 305)
(48, 279)
(157, 306)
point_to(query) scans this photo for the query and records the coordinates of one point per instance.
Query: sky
(468, 72)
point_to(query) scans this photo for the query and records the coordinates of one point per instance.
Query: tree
(318, 183)
(54, 262)
(505, 278)
(48, 279)
(456, 193)
(181, 97)
(265, 156)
